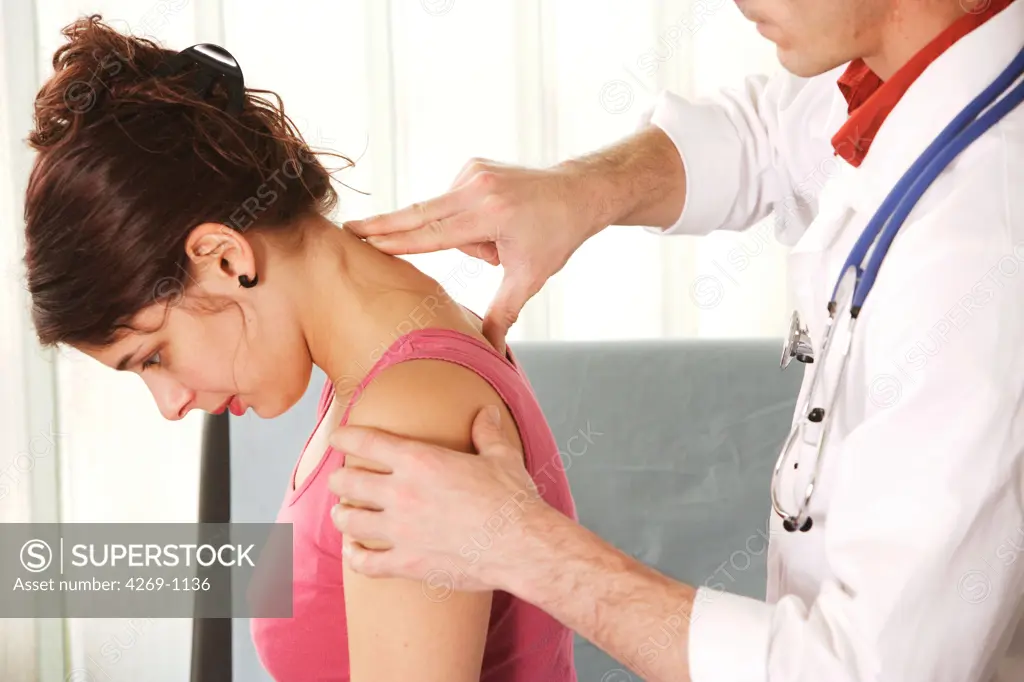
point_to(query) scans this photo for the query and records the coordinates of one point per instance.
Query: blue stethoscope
(856, 279)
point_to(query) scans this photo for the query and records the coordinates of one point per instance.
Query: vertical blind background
(410, 89)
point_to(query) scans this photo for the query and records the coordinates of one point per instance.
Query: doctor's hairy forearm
(635, 614)
(638, 181)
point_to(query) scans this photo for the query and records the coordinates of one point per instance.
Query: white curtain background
(410, 89)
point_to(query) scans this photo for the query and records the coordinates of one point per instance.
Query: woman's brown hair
(128, 163)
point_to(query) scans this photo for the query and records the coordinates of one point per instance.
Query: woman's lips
(236, 406)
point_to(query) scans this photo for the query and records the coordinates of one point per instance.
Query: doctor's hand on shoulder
(394, 531)
(530, 221)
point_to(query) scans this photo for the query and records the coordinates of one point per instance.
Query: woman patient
(173, 238)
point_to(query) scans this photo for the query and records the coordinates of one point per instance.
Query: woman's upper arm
(419, 629)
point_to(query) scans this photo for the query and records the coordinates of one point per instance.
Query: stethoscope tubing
(964, 129)
(954, 138)
(942, 159)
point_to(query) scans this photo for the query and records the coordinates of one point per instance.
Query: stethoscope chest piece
(789, 523)
(797, 343)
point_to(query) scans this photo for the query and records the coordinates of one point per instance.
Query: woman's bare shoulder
(431, 400)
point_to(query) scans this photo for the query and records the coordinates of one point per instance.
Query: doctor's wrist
(535, 554)
(638, 181)
(588, 205)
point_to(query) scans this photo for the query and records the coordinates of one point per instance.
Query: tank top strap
(502, 373)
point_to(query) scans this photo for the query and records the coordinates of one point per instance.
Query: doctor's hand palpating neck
(531, 221)
(908, 570)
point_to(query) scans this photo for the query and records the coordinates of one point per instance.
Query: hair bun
(135, 158)
(97, 66)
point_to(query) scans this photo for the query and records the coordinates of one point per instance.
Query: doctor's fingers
(403, 456)
(464, 230)
(375, 563)
(371, 490)
(366, 526)
(517, 287)
(415, 215)
(474, 167)
(485, 251)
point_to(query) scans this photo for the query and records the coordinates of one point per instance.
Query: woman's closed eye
(151, 361)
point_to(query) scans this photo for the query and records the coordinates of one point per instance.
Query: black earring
(244, 281)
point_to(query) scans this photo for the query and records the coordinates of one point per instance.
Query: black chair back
(211, 637)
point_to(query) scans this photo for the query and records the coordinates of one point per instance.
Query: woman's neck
(355, 301)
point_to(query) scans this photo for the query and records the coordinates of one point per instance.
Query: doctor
(904, 565)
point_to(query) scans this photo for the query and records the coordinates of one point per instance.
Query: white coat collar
(945, 87)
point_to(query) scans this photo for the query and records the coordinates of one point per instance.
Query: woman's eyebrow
(126, 360)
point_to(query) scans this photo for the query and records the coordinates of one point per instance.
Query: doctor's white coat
(913, 570)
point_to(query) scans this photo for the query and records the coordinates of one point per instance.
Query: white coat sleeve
(750, 150)
(925, 522)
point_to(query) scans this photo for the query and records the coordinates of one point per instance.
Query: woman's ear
(219, 255)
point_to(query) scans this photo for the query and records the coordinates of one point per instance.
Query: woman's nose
(173, 399)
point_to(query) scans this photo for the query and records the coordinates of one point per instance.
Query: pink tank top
(524, 644)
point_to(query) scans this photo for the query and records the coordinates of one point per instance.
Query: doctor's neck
(910, 27)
